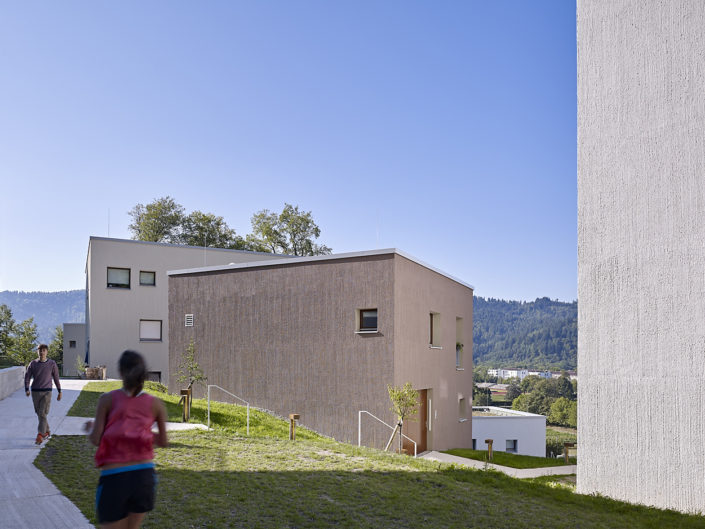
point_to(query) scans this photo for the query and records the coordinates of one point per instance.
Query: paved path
(28, 500)
(514, 472)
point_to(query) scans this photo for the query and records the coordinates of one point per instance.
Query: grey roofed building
(324, 336)
(126, 297)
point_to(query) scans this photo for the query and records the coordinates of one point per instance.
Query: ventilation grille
(188, 320)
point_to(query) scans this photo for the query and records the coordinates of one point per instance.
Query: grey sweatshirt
(42, 372)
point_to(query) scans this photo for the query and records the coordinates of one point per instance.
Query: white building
(508, 373)
(74, 347)
(127, 297)
(512, 431)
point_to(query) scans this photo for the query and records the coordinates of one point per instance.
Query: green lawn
(220, 478)
(509, 460)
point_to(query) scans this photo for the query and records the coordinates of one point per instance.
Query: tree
(189, 369)
(291, 232)
(513, 390)
(23, 349)
(159, 221)
(564, 412)
(521, 402)
(7, 329)
(405, 402)
(206, 229)
(481, 396)
(56, 347)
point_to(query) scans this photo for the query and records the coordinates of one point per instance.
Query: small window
(434, 332)
(118, 277)
(150, 330)
(462, 410)
(154, 376)
(72, 344)
(366, 321)
(512, 445)
(148, 279)
(474, 444)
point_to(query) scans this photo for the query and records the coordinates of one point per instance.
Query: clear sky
(445, 129)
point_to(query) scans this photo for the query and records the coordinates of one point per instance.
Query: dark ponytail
(133, 371)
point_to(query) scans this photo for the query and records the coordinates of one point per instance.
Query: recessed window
(154, 376)
(462, 410)
(150, 330)
(512, 445)
(118, 277)
(366, 320)
(474, 444)
(434, 331)
(148, 279)
(72, 344)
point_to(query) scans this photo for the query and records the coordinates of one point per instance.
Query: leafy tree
(56, 347)
(206, 229)
(529, 383)
(513, 390)
(7, 329)
(291, 232)
(405, 402)
(189, 369)
(564, 412)
(158, 221)
(481, 396)
(23, 351)
(521, 403)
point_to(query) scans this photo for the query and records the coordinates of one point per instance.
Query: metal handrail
(232, 395)
(359, 429)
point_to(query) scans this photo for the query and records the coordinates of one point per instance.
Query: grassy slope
(221, 479)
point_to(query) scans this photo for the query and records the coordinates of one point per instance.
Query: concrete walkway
(27, 498)
(521, 473)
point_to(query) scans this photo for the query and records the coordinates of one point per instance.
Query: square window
(72, 344)
(148, 278)
(512, 445)
(150, 330)
(368, 319)
(118, 277)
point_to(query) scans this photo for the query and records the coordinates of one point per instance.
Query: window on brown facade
(368, 319)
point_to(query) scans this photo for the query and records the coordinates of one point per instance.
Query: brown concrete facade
(283, 337)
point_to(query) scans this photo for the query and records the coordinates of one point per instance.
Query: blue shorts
(125, 490)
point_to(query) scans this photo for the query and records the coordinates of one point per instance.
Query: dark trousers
(42, 402)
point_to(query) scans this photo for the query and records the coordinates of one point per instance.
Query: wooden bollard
(566, 446)
(293, 417)
(489, 449)
(186, 399)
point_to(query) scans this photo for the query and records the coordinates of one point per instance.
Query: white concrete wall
(641, 251)
(11, 379)
(528, 429)
(113, 314)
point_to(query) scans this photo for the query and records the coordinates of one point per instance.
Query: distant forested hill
(49, 309)
(536, 334)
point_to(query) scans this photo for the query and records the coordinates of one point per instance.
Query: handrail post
(248, 420)
(359, 428)
(209, 405)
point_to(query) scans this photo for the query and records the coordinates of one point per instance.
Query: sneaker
(39, 439)
(47, 434)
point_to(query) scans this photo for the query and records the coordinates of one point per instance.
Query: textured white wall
(641, 251)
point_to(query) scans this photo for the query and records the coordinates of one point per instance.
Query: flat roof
(315, 259)
(494, 411)
(209, 248)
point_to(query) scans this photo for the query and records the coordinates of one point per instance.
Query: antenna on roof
(108, 222)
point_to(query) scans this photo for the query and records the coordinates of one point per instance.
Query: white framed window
(366, 321)
(512, 445)
(434, 330)
(150, 330)
(148, 279)
(118, 277)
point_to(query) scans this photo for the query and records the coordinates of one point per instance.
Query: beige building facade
(126, 297)
(324, 336)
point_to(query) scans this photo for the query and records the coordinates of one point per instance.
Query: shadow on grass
(211, 480)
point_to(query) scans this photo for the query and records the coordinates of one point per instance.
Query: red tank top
(128, 430)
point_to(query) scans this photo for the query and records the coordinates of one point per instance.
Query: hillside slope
(48, 309)
(537, 334)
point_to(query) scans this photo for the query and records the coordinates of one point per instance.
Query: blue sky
(445, 129)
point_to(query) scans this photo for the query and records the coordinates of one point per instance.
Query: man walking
(43, 371)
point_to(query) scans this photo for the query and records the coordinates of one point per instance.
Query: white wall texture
(11, 379)
(641, 251)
